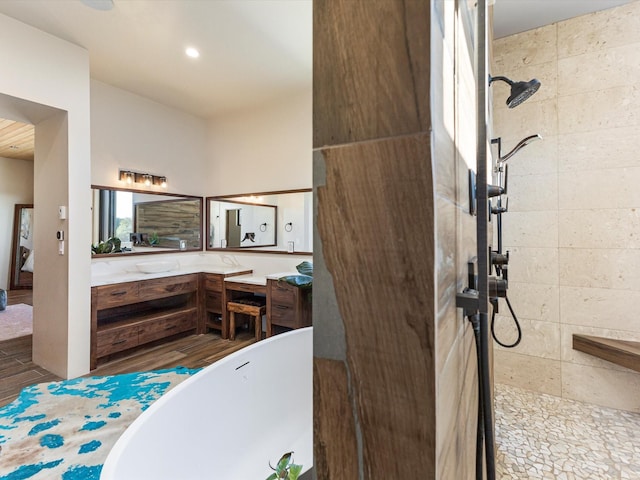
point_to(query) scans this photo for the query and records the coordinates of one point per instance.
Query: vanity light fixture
(126, 176)
(130, 177)
(161, 181)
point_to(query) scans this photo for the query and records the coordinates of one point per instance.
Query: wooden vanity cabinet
(129, 314)
(287, 306)
(214, 301)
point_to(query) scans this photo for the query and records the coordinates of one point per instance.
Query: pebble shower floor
(541, 436)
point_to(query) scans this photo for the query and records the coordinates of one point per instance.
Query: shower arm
(501, 78)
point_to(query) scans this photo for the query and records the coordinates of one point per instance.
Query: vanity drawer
(213, 282)
(283, 314)
(165, 327)
(283, 293)
(214, 302)
(162, 287)
(116, 339)
(118, 294)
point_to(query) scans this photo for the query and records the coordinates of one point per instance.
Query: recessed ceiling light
(192, 52)
(103, 5)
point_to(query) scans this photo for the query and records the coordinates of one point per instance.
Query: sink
(155, 267)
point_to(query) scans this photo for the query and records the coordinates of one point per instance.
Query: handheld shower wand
(500, 261)
(522, 143)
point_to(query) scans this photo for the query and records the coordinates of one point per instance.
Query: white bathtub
(228, 421)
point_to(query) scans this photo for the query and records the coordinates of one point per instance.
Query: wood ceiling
(16, 140)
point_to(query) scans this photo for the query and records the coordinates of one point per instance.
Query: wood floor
(18, 371)
(20, 296)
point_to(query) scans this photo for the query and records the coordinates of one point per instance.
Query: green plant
(111, 245)
(285, 469)
(154, 239)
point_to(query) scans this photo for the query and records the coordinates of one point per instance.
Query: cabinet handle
(171, 327)
(282, 307)
(118, 294)
(119, 342)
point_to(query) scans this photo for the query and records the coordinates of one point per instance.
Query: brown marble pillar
(374, 368)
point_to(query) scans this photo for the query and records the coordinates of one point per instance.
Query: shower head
(522, 143)
(520, 91)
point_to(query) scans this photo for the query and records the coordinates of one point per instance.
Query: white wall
(131, 132)
(268, 148)
(48, 72)
(264, 149)
(16, 186)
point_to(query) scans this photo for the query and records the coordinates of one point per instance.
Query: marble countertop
(259, 279)
(132, 275)
(250, 279)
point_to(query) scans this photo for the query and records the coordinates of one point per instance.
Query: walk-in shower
(474, 300)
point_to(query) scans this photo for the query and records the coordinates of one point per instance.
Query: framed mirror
(264, 222)
(128, 221)
(22, 253)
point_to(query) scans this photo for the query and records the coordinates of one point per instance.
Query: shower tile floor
(546, 437)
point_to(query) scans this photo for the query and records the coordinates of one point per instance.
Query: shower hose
(515, 320)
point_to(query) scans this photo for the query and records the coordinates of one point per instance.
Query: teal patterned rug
(65, 430)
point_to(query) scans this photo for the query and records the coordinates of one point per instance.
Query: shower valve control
(497, 287)
(499, 258)
(494, 191)
(500, 209)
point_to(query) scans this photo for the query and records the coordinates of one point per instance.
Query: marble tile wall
(453, 92)
(573, 227)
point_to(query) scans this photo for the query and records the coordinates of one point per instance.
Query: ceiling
(251, 51)
(16, 140)
(515, 16)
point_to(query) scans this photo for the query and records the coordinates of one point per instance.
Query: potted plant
(285, 469)
(111, 245)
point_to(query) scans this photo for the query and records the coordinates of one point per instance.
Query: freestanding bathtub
(228, 421)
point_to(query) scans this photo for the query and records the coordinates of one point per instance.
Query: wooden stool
(250, 307)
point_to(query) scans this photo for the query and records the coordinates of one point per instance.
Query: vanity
(126, 315)
(133, 308)
(287, 306)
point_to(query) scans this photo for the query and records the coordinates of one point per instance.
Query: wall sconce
(288, 227)
(126, 176)
(147, 179)
(160, 181)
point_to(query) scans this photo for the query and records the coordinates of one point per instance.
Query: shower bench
(622, 352)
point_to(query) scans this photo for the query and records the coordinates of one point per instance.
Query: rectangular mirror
(22, 252)
(144, 222)
(274, 222)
